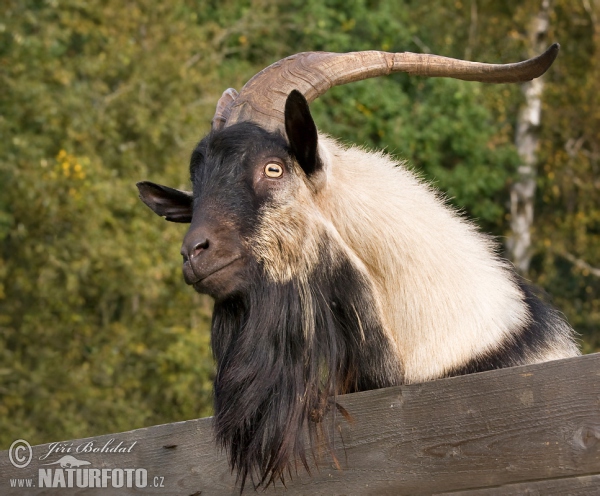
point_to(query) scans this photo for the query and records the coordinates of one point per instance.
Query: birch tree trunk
(522, 193)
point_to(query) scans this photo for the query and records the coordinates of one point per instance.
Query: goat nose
(195, 250)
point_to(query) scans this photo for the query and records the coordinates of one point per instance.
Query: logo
(20, 453)
(70, 471)
(87, 447)
(69, 476)
(68, 461)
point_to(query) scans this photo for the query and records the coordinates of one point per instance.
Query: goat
(334, 269)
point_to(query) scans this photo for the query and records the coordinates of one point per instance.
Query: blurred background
(98, 332)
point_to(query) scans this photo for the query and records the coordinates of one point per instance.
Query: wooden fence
(527, 430)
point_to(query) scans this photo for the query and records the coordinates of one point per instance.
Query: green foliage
(568, 232)
(98, 332)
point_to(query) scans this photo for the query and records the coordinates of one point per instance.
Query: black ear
(172, 204)
(301, 132)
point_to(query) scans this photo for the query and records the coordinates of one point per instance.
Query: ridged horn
(223, 108)
(262, 99)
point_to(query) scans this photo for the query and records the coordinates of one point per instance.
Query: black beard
(281, 350)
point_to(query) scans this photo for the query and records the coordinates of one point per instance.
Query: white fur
(446, 297)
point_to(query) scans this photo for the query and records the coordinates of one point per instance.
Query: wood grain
(526, 429)
(571, 486)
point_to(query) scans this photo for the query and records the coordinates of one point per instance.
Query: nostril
(199, 248)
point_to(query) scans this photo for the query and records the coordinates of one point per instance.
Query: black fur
(275, 370)
(221, 169)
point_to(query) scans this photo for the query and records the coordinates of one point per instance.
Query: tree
(522, 191)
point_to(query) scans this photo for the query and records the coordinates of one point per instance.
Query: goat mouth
(199, 283)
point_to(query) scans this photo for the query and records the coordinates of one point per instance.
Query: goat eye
(273, 170)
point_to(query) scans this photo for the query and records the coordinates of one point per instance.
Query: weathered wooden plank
(479, 431)
(572, 486)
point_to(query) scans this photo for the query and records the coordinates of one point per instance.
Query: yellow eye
(273, 169)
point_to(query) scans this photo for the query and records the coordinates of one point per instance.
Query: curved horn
(262, 99)
(223, 108)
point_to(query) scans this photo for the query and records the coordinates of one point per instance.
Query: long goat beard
(282, 350)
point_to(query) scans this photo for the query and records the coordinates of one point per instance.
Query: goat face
(242, 177)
